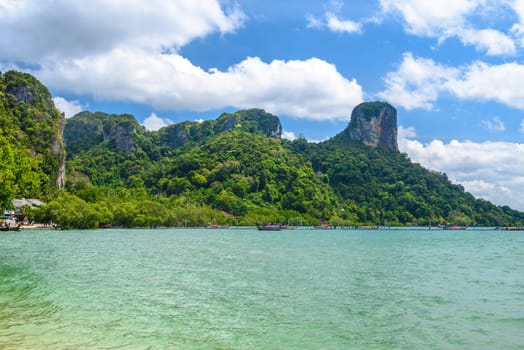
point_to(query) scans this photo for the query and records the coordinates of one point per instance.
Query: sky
(453, 69)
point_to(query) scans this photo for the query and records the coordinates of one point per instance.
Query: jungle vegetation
(233, 170)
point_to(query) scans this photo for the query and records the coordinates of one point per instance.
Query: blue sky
(453, 69)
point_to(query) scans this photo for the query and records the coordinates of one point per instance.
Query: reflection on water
(243, 289)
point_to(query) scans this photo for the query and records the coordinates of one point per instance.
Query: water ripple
(242, 289)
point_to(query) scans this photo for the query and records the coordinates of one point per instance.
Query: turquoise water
(244, 289)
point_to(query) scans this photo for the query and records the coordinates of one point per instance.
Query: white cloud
(154, 122)
(344, 26)
(451, 18)
(128, 51)
(311, 88)
(518, 7)
(318, 141)
(492, 41)
(489, 170)
(419, 82)
(500, 83)
(430, 18)
(69, 108)
(406, 133)
(494, 124)
(32, 31)
(314, 22)
(518, 28)
(333, 22)
(289, 135)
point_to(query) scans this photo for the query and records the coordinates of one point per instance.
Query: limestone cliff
(59, 151)
(175, 135)
(86, 130)
(123, 137)
(30, 114)
(374, 124)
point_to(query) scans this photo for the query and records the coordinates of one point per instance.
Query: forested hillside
(232, 170)
(385, 186)
(31, 148)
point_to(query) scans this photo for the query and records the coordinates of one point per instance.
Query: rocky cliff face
(59, 150)
(124, 137)
(175, 135)
(86, 130)
(39, 124)
(374, 124)
(22, 92)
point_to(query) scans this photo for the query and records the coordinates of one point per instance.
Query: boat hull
(270, 227)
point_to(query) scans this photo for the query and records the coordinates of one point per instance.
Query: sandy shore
(38, 226)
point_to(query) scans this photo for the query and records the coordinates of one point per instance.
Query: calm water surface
(244, 289)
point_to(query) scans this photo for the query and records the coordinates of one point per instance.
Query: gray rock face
(59, 151)
(125, 137)
(21, 92)
(230, 124)
(86, 130)
(375, 124)
(176, 136)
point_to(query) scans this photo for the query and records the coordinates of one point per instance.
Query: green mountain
(235, 169)
(31, 148)
(237, 164)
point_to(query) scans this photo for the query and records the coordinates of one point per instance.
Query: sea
(247, 289)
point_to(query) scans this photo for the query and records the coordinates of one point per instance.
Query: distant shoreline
(40, 226)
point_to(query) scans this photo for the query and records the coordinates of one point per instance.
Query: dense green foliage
(232, 170)
(231, 166)
(386, 187)
(87, 130)
(31, 148)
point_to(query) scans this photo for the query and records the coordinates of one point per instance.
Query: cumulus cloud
(430, 17)
(31, 32)
(69, 108)
(489, 170)
(451, 18)
(310, 88)
(419, 82)
(492, 41)
(490, 82)
(518, 28)
(154, 122)
(128, 51)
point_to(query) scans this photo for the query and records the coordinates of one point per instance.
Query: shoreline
(39, 227)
